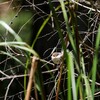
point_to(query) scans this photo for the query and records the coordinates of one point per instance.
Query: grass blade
(7, 27)
(72, 75)
(17, 60)
(95, 61)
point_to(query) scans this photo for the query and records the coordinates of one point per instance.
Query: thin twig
(12, 76)
(5, 98)
(85, 6)
(4, 73)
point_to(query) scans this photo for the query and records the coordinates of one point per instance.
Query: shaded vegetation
(64, 36)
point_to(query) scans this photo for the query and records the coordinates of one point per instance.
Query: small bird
(57, 57)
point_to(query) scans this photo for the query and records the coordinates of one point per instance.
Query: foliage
(76, 75)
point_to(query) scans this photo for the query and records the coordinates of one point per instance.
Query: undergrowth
(70, 72)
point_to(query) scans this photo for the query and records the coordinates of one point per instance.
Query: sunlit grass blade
(95, 61)
(20, 45)
(72, 73)
(28, 49)
(69, 64)
(87, 88)
(8, 28)
(86, 81)
(12, 43)
(78, 85)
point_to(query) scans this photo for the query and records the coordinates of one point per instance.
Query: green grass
(77, 82)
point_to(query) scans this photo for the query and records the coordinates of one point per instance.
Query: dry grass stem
(59, 81)
(31, 77)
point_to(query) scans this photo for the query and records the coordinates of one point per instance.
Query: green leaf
(8, 28)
